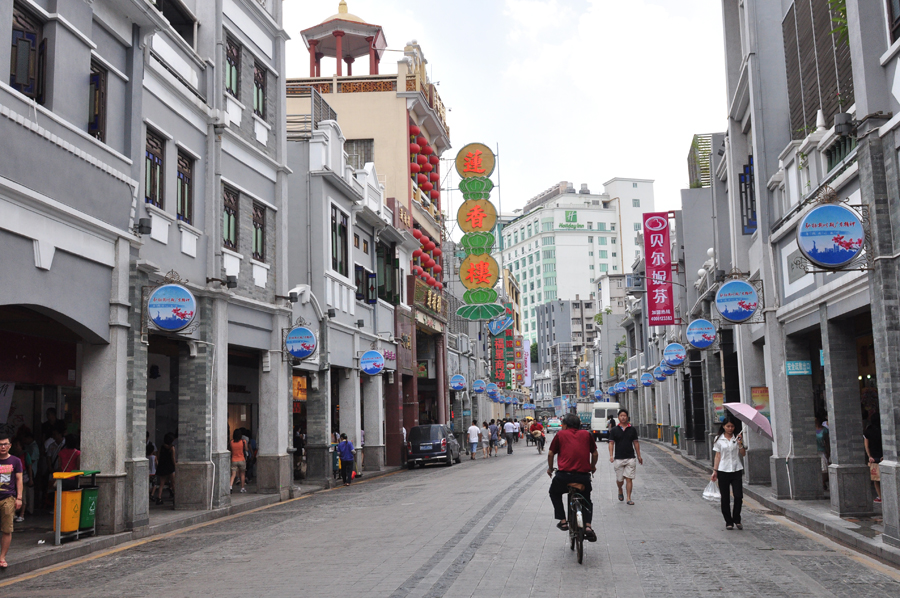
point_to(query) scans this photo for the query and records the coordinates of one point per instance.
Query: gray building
(565, 336)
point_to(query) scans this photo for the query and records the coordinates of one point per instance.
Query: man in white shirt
(474, 433)
(518, 429)
(509, 429)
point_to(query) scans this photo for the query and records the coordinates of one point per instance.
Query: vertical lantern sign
(520, 361)
(658, 258)
(476, 217)
(498, 356)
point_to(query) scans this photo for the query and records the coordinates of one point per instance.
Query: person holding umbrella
(728, 471)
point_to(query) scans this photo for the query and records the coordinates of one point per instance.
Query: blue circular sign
(631, 384)
(457, 382)
(737, 301)
(371, 362)
(831, 236)
(658, 374)
(647, 379)
(666, 368)
(598, 395)
(172, 307)
(701, 334)
(621, 387)
(612, 391)
(674, 354)
(300, 342)
(479, 386)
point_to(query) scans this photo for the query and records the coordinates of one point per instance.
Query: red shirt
(573, 450)
(536, 426)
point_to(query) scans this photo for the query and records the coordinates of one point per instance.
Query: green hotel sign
(571, 222)
(571, 216)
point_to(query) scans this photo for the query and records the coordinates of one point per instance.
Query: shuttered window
(29, 55)
(230, 211)
(154, 161)
(97, 102)
(259, 232)
(184, 189)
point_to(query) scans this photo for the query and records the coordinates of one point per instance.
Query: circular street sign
(831, 236)
(612, 391)
(492, 388)
(300, 342)
(476, 216)
(674, 354)
(647, 379)
(621, 387)
(598, 395)
(701, 334)
(631, 384)
(475, 159)
(172, 307)
(667, 369)
(457, 382)
(658, 374)
(479, 386)
(479, 272)
(371, 362)
(737, 301)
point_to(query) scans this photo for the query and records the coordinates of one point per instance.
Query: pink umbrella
(752, 418)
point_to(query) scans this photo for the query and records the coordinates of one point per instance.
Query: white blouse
(730, 457)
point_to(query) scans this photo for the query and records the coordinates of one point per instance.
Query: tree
(534, 350)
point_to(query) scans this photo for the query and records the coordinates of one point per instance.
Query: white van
(600, 419)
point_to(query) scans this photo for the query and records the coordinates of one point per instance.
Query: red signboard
(658, 258)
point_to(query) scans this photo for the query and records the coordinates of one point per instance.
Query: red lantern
(426, 186)
(437, 269)
(434, 160)
(421, 141)
(427, 150)
(422, 160)
(417, 253)
(417, 233)
(437, 252)
(429, 245)
(414, 148)
(426, 167)
(434, 177)
(421, 178)
(430, 281)
(414, 168)
(435, 194)
(414, 130)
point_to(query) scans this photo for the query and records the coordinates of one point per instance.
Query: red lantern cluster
(423, 164)
(425, 266)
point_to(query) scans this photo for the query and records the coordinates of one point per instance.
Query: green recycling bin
(88, 506)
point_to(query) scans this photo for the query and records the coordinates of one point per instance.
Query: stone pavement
(482, 528)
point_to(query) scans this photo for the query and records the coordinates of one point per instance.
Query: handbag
(711, 492)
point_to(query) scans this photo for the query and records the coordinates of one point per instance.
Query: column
(410, 392)
(318, 428)
(273, 469)
(439, 359)
(313, 60)
(349, 60)
(219, 439)
(348, 385)
(848, 476)
(338, 53)
(373, 404)
(373, 68)
(319, 57)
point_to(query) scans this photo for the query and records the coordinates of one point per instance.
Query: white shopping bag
(711, 492)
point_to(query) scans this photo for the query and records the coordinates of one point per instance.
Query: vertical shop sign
(719, 405)
(661, 305)
(526, 349)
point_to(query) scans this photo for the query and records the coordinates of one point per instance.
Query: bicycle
(539, 441)
(575, 518)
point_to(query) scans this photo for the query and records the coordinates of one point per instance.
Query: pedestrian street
(481, 528)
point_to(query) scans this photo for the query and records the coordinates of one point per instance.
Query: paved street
(479, 529)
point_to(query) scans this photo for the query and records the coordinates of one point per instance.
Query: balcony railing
(301, 126)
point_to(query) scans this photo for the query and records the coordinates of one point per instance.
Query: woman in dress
(728, 471)
(165, 469)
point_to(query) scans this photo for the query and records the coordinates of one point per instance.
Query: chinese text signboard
(657, 254)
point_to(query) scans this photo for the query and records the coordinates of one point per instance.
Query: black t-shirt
(624, 449)
(873, 434)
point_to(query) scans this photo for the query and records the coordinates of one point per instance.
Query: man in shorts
(624, 448)
(10, 494)
(474, 433)
(495, 438)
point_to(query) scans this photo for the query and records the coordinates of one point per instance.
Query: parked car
(554, 424)
(433, 443)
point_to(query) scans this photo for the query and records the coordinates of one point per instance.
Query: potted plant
(843, 121)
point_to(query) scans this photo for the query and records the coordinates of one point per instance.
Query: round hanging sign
(737, 301)
(658, 374)
(457, 382)
(300, 342)
(621, 387)
(701, 334)
(831, 236)
(479, 386)
(172, 307)
(612, 391)
(371, 362)
(598, 395)
(475, 160)
(647, 379)
(492, 389)
(631, 384)
(666, 369)
(674, 354)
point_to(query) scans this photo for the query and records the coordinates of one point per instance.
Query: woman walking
(728, 471)
(239, 450)
(165, 469)
(485, 439)
(346, 451)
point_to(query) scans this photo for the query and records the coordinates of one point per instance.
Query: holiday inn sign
(571, 220)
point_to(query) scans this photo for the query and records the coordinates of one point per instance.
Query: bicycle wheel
(578, 530)
(573, 525)
(579, 544)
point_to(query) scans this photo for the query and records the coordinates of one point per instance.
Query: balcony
(301, 126)
(415, 82)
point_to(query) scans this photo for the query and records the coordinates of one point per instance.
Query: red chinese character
(472, 163)
(479, 273)
(476, 216)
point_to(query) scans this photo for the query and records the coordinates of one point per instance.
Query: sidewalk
(859, 533)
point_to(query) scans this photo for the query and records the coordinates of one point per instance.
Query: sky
(575, 90)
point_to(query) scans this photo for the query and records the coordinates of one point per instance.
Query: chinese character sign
(658, 259)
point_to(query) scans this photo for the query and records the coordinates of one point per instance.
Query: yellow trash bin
(71, 511)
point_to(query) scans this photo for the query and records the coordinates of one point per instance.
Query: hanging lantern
(434, 177)
(427, 262)
(437, 269)
(422, 160)
(429, 245)
(437, 251)
(421, 141)
(437, 285)
(418, 253)
(427, 150)
(434, 160)
(417, 233)
(414, 148)
(414, 168)
(426, 186)
(426, 167)
(421, 178)
(414, 130)
(435, 194)
(430, 280)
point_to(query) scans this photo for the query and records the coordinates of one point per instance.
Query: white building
(565, 240)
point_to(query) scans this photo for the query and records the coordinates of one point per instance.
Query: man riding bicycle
(577, 457)
(537, 433)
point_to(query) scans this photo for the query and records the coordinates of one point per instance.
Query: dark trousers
(346, 471)
(559, 486)
(509, 441)
(731, 481)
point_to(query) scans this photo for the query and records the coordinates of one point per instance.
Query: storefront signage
(479, 386)
(737, 301)
(631, 384)
(621, 387)
(526, 377)
(492, 389)
(598, 395)
(660, 303)
(658, 374)
(612, 391)
(300, 342)
(674, 354)
(172, 307)
(759, 396)
(498, 325)
(701, 334)
(647, 379)
(371, 362)
(799, 368)
(831, 236)
(457, 382)
(667, 370)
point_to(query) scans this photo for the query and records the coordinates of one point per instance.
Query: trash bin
(88, 506)
(71, 511)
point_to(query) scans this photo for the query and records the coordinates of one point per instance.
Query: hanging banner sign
(631, 384)
(171, 307)
(831, 236)
(479, 386)
(371, 362)
(701, 334)
(674, 354)
(658, 374)
(526, 382)
(647, 379)
(457, 382)
(737, 301)
(660, 303)
(300, 342)
(667, 370)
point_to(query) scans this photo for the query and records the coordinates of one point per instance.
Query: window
(601, 240)
(359, 152)
(637, 226)
(366, 246)
(549, 268)
(590, 239)
(603, 254)
(894, 19)
(259, 232)
(635, 203)
(184, 189)
(97, 102)
(515, 237)
(525, 300)
(548, 296)
(549, 240)
(537, 270)
(231, 208)
(634, 185)
(590, 253)
(588, 305)
(365, 285)
(615, 268)
(339, 227)
(550, 281)
(356, 240)
(538, 283)
(178, 18)
(549, 254)
(29, 55)
(748, 198)
(153, 167)
(614, 254)
(613, 241)
(232, 68)
(529, 230)
(604, 268)
(259, 90)
(531, 259)
(532, 286)
(546, 226)
(612, 227)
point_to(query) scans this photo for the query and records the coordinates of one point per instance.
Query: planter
(843, 123)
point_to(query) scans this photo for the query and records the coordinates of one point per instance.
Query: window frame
(231, 209)
(184, 188)
(233, 67)
(97, 101)
(258, 241)
(893, 20)
(155, 169)
(260, 80)
(340, 228)
(32, 30)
